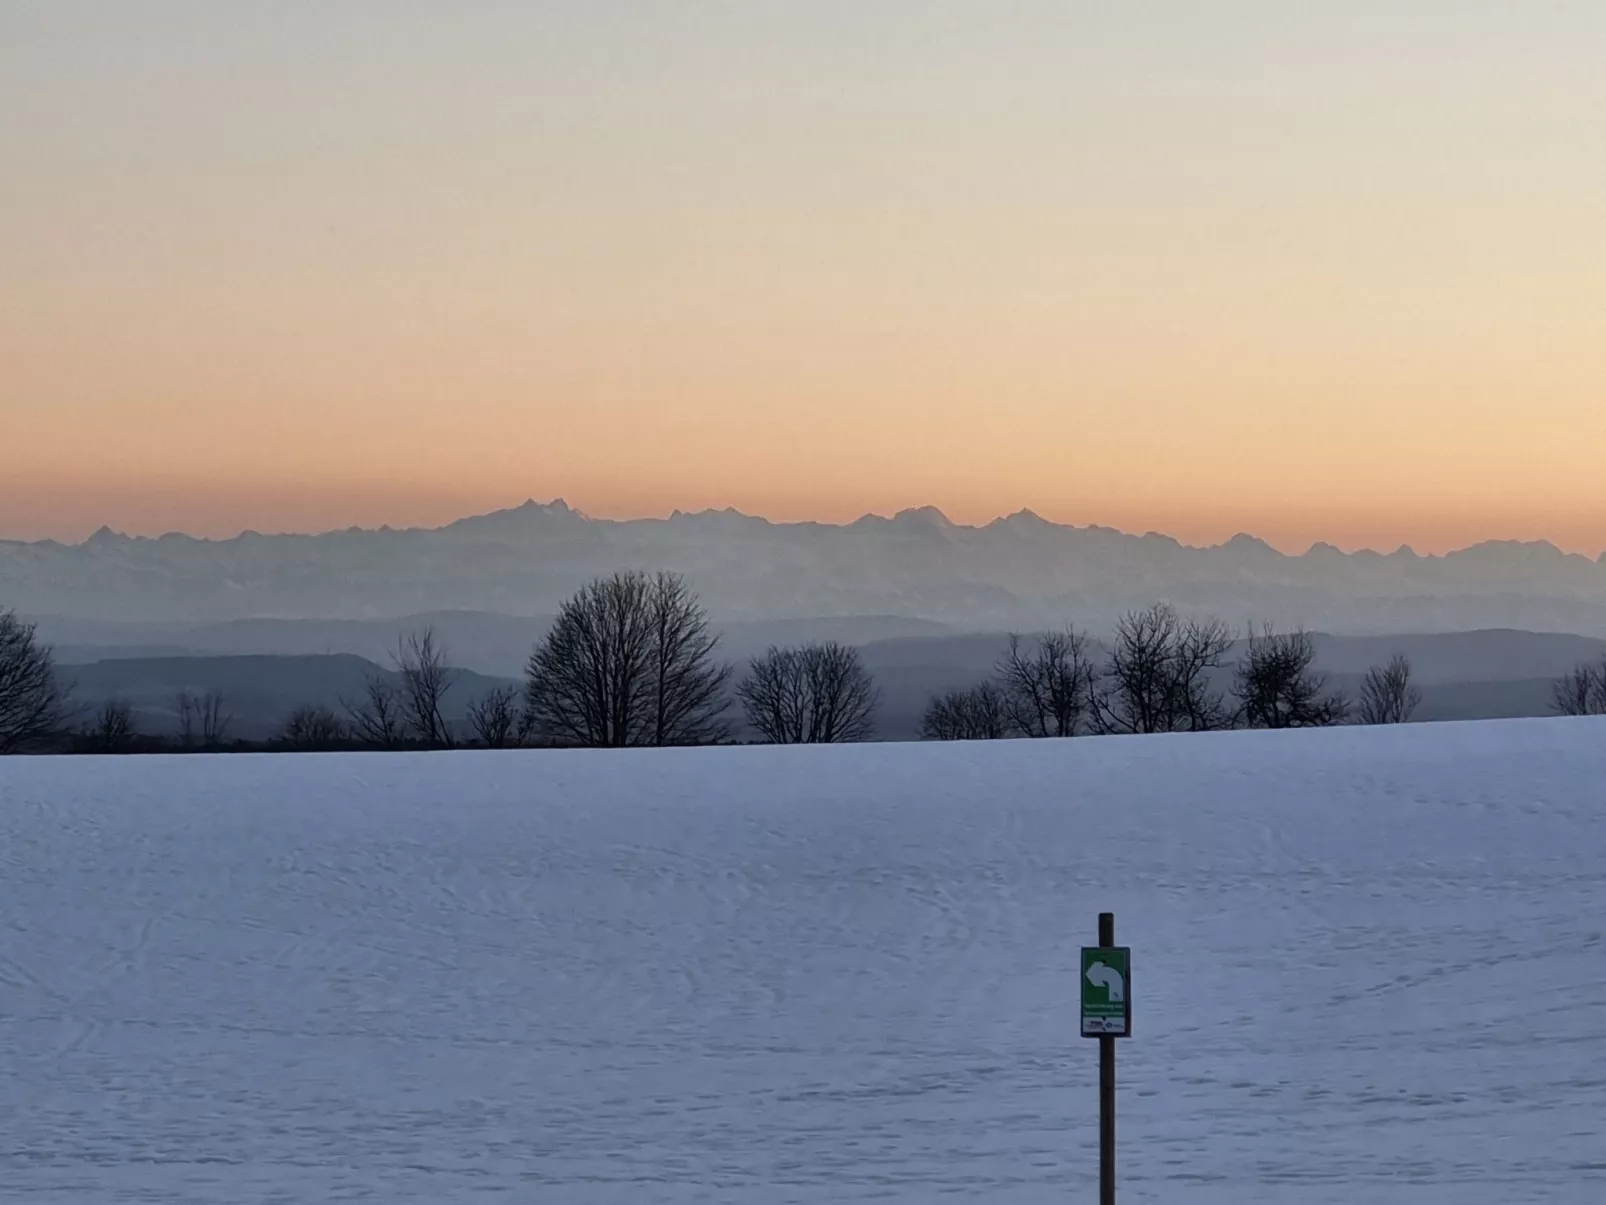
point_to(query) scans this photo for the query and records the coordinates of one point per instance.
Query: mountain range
(1020, 571)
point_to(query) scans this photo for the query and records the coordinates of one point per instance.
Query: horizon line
(931, 515)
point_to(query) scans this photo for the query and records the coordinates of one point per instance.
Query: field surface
(1368, 967)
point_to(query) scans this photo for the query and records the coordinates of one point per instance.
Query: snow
(1367, 966)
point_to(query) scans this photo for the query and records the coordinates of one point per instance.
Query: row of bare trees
(406, 708)
(34, 711)
(629, 661)
(203, 720)
(632, 661)
(1164, 673)
(977, 714)
(1043, 688)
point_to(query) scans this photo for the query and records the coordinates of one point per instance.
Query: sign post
(1106, 1015)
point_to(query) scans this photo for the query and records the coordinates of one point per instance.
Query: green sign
(1106, 991)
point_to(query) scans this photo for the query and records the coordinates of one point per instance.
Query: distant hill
(481, 641)
(258, 692)
(1498, 655)
(1020, 571)
(478, 640)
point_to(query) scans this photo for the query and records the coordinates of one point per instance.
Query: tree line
(1164, 673)
(632, 660)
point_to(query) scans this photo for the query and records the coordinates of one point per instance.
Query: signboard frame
(1101, 1013)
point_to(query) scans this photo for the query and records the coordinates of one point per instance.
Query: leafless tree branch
(1276, 686)
(1048, 687)
(1159, 676)
(629, 661)
(30, 695)
(1387, 693)
(111, 729)
(1581, 691)
(494, 717)
(376, 719)
(425, 681)
(203, 719)
(313, 729)
(818, 694)
(977, 714)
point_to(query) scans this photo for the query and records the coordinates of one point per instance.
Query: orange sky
(1331, 276)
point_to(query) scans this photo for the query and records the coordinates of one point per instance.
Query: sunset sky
(1315, 271)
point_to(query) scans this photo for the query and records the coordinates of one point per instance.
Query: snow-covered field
(1368, 968)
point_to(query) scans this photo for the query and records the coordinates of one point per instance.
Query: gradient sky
(1330, 271)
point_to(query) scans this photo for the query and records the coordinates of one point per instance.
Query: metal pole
(1106, 1088)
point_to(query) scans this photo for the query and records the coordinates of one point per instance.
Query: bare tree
(425, 681)
(819, 694)
(1276, 686)
(1581, 691)
(313, 729)
(184, 705)
(629, 661)
(494, 717)
(1201, 649)
(1048, 689)
(585, 682)
(216, 719)
(686, 687)
(1138, 686)
(1574, 692)
(978, 714)
(203, 719)
(1159, 677)
(376, 719)
(30, 696)
(111, 729)
(1387, 693)
(775, 696)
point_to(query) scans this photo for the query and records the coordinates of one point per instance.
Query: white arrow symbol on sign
(1107, 977)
